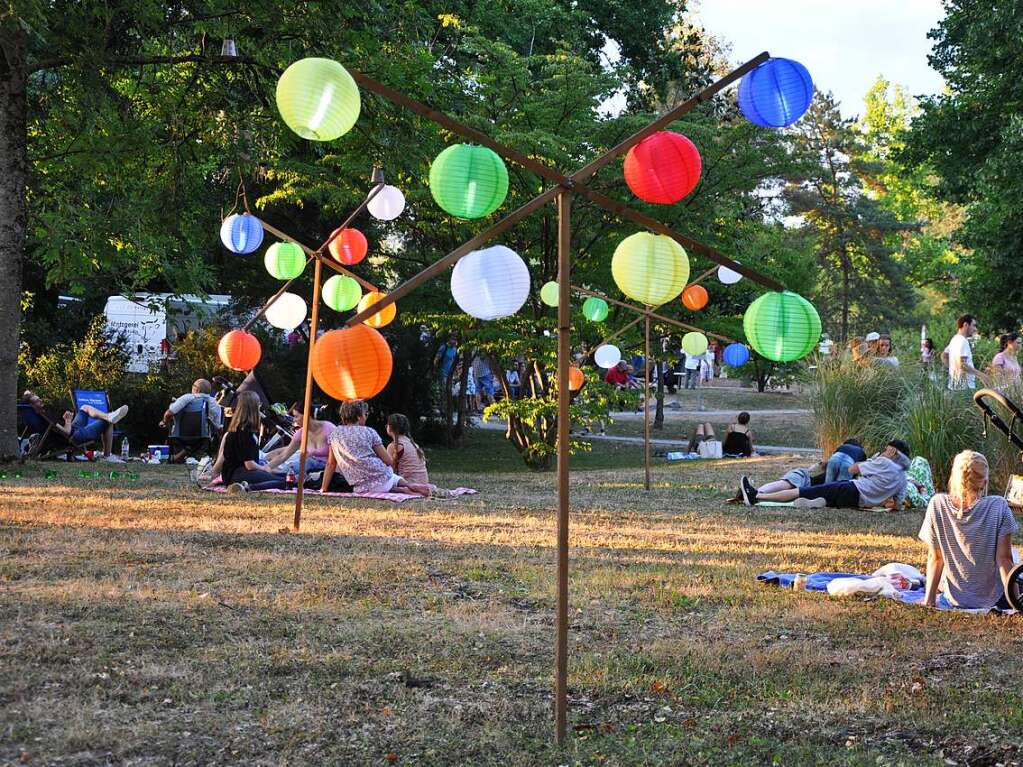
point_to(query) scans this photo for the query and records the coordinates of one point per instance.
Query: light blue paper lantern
(736, 355)
(241, 233)
(776, 94)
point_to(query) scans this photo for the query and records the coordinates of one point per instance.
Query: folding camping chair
(52, 441)
(98, 399)
(191, 432)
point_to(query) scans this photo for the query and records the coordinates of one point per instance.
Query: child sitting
(407, 457)
(739, 439)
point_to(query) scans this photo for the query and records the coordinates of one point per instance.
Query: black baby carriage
(277, 428)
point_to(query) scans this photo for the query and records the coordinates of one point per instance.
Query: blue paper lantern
(776, 94)
(241, 233)
(736, 355)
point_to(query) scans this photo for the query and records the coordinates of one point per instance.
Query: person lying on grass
(881, 480)
(359, 454)
(834, 470)
(85, 426)
(969, 539)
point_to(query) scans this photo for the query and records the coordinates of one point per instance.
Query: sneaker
(440, 492)
(118, 414)
(112, 458)
(749, 493)
(809, 503)
(238, 487)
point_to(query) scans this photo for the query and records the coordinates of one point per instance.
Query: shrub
(854, 400)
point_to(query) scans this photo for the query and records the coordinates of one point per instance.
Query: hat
(872, 336)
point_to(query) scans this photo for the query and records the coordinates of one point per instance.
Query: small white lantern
(490, 283)
(728, 276)
(287, 312)
(607, 356)
(387, 204)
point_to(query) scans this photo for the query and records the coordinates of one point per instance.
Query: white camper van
(144, 320)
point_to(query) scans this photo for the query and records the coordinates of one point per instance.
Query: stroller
(275, 428)
(1014, 492)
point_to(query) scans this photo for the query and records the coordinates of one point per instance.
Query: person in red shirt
(619, 376)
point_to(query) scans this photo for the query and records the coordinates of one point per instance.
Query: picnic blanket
(393, 497)
(793, 503)
(818, 583)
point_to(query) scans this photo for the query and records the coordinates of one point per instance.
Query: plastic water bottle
(125, 452)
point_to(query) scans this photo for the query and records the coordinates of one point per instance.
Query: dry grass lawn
(149, 623)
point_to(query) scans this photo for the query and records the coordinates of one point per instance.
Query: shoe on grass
(809, 503)
(112, 458)
(116, 415)
(238, 487)
(749, 493)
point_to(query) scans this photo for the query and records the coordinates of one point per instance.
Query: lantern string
(704, 276)
(337, 232)
(242, 193)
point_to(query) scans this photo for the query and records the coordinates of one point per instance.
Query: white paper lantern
(287, 312)
(728, 276)
(387, 204)
(490, 283)
(607, 356)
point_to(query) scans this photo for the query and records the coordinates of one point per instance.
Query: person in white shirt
(958, 356)
(692, 366)
(201, 393)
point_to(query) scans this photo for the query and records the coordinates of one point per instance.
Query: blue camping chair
(51, 439)
(190, 431)
(97, 399)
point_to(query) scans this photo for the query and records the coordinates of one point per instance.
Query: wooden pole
(646, 406)
(307, 406)
(564, 352)
(274, 298)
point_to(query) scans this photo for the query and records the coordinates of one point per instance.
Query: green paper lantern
(318, 99)
(650, 268)
(595, 309)
(549, 293)
(694, 344)
(468, 181)
(341, 293)
(782, 327)
(284, 260)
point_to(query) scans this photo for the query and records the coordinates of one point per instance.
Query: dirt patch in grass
(151, 623)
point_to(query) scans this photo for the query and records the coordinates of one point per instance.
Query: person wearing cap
(877, 481)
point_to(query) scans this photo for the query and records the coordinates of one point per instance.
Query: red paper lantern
(239, 350)
(349, 247)
(663, 168)
(352, 363)
(695, 297)
(576, 379)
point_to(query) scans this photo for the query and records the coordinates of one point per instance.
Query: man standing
(958, 356)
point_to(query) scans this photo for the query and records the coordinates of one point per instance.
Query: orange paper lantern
(239, 350)
(351, 363)
(384, 317)
(695, 297)
(576, 379)
(349, 247)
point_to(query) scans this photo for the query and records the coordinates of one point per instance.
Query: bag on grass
(710, 448)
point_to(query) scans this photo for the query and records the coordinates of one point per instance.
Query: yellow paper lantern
(694, 344)
(318, 99)
(384, 317)
(650, 268)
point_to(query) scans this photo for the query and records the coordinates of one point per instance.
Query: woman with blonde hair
(238, 460)
(969, 538)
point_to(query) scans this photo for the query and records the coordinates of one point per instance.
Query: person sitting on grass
(285, 460)
(849, 452)
(359, 454)
(407, 458)
(238, 459)
(701, 432)
(739, 439)
(620, 377)
(969, 539)
(85, 426)
(881, 480)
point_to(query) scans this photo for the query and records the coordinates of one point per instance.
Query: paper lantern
(607, 356)
(241, 233)
(663, 168)
(318, 99)
(384, 317)
(650, 268)
(341, 293)
(550, 293)
(694, 344)
(284, 260)
(490, 283)
(782, 326)
(776, 94)
(468, 181)
(387, 204)
(576, 378)
(595, 309)
(349, 247)
(287, 312)
(728, 276)
(695, 297)
(351, 363)
(736, 355)
(239, 350)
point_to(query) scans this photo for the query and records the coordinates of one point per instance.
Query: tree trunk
(13, 221)
(846, 289)
(659, 413)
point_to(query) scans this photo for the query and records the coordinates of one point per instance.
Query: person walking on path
(958, 355)
(1005, 367)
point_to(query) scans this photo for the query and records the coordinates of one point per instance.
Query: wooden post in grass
(307, 406)
(646, 405)
(564, 424)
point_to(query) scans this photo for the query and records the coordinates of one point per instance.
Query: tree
(971, 136)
